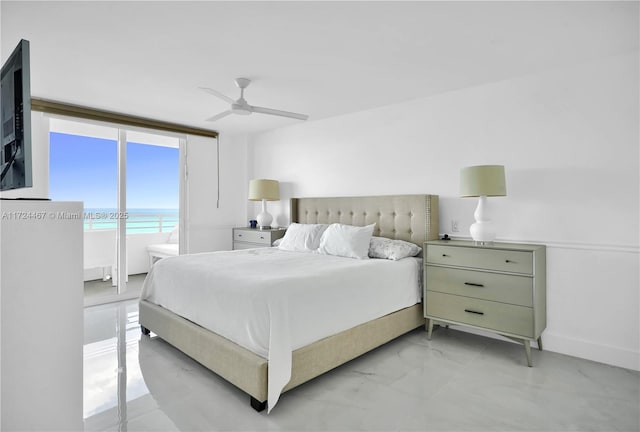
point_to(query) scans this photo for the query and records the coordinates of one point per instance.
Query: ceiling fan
(241, 106)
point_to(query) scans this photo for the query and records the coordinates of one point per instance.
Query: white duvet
(272, 302)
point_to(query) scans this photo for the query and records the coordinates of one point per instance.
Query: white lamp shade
(482, 180)
(262, 189)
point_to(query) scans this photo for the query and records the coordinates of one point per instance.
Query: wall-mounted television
(15, 108)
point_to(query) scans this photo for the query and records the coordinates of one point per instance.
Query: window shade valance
(60, 108)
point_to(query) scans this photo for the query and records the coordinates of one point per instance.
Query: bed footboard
(248, 371)
(239, 366)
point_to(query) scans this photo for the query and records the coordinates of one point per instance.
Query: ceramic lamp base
(482, 231)
(264, 218)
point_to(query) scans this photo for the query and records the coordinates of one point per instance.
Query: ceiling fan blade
(262, 110)
(217, 94)
(219, 116)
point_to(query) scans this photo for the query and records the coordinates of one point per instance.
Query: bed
(413, 218)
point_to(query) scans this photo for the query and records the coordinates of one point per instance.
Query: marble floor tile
(456, 382)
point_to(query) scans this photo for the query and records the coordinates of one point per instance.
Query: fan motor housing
(237, 108)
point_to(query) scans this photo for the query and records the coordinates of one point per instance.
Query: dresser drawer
(256, 236)
(505, 288)
(484, 258)
(501, 317)
(244, 245)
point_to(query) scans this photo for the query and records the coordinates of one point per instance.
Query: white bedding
(272, 302)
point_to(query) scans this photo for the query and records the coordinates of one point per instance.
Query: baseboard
(610, 355)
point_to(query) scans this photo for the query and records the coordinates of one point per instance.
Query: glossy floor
(455, 382)
(96, 291)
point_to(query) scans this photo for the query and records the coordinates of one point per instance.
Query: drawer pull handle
(445, 255)
(239, 235)
(509, 261)
(261, 238)
(474, 312)
(474, 284)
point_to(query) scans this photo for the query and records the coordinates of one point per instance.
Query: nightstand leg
(527, 351)
(540, 343)
(429, 328)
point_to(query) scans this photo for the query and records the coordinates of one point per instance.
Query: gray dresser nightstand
(249, 238)
(499, 287)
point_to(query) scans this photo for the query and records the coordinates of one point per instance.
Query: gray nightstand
(250, 238)
(500, 288)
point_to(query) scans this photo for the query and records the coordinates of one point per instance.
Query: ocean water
(138, 220)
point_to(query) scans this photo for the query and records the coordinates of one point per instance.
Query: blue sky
(85, 169)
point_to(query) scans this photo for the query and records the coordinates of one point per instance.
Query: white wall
(569, 140)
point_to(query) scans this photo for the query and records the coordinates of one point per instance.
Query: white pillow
(380, 247)
(302, 237)
(174, 237)
(346, 240)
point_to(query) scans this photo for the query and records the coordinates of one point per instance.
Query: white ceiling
(319, 58)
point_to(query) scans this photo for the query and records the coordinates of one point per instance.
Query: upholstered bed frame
(411, 218)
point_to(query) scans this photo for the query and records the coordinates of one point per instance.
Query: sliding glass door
(83, 166)
(152, 204)
(129, 183)
(152, 187)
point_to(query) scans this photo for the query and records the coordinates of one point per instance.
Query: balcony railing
(136, 223)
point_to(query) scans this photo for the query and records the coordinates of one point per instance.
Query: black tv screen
(15, 108)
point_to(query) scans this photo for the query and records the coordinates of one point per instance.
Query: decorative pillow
(380, 247)
(174, 237)
(346, 240)
(302, 237)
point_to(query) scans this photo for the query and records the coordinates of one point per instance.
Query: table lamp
(482, 181)
(264, 190)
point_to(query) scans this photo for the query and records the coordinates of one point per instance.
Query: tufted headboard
(412, 218)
